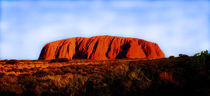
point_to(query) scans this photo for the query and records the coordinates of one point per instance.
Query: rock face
(101, 47)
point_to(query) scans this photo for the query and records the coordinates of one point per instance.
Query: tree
(204, 53)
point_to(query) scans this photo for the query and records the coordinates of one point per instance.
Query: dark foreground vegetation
(174, 76)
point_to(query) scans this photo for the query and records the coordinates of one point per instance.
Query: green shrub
(205, 52)
(203, 60)
(202, 53)
(197, 54)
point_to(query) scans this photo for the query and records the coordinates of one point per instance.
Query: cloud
(178, 27)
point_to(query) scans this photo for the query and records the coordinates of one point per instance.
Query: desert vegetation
(174, 76)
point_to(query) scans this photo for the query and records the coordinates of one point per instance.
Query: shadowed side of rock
(101, 48)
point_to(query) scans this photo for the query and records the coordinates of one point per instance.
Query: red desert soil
(101, 48)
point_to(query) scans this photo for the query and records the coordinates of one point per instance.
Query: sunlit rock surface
(101, 48)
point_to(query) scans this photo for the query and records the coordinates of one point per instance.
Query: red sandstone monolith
(101, 48)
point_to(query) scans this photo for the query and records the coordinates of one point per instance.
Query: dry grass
(168, 76)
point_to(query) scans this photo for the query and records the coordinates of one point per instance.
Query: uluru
(101, 48)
